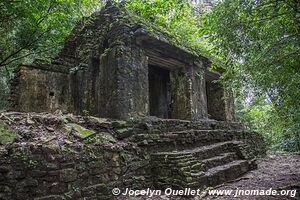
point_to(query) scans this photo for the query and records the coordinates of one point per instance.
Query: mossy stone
(7, 134)
(81, 131)
(106, 136)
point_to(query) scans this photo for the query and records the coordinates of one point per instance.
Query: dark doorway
(159, 92)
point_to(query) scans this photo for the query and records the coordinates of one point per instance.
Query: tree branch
(3, 62)
(24, 56)
(39, 21)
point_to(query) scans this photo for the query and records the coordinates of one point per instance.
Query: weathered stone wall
(215, 101)
(229, 105)
(198, 92)
(104, 73)
(93, 87)
(39, 90)
(133, 84)
(54, 172)
(180, 94)
(114, 81)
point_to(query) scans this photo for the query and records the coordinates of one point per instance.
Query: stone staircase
(196, 155)
(200, 167)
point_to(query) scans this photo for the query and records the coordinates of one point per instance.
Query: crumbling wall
(93, 87)
(132, 84)
(39, 90)
(229, 105)
(54, 172)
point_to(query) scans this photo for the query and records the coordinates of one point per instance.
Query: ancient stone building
(112, 66)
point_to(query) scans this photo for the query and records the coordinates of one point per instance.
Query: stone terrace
(70, 157)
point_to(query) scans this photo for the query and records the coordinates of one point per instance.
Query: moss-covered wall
(54, 172)
(180, 94)
(39, 90)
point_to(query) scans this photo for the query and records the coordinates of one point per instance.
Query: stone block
(68, 175)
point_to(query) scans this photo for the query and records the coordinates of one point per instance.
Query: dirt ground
(279, 171)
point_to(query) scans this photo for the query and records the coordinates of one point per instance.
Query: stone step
(198, 174)
(202, 166)
(202, 152)
(214, 150)
(180, 160)
(184, 139)
(191, 163)
(227, 172)
(196, 167)
(170, 125)
(209, 155)
(219, 160)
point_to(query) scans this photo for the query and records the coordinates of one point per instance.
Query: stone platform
(63, 156)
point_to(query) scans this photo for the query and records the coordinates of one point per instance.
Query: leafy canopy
(259, 44)
(31, 28)
(175, 17)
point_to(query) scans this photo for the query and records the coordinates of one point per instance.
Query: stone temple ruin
(114, 67)
(111, 67)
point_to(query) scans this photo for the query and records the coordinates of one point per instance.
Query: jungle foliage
(34, 28)
(259, 44)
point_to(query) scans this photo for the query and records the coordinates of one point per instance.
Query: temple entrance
(159, 91)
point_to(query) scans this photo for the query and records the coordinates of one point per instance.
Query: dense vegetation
(258, 42)
(34, 28)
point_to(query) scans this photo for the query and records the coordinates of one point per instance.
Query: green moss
(101, 137)
(84, 133)
(66, 129)
(106, 136)
(139, 178)
(7, 134)
(81, 131)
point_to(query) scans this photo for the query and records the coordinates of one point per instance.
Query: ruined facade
(112, 66)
